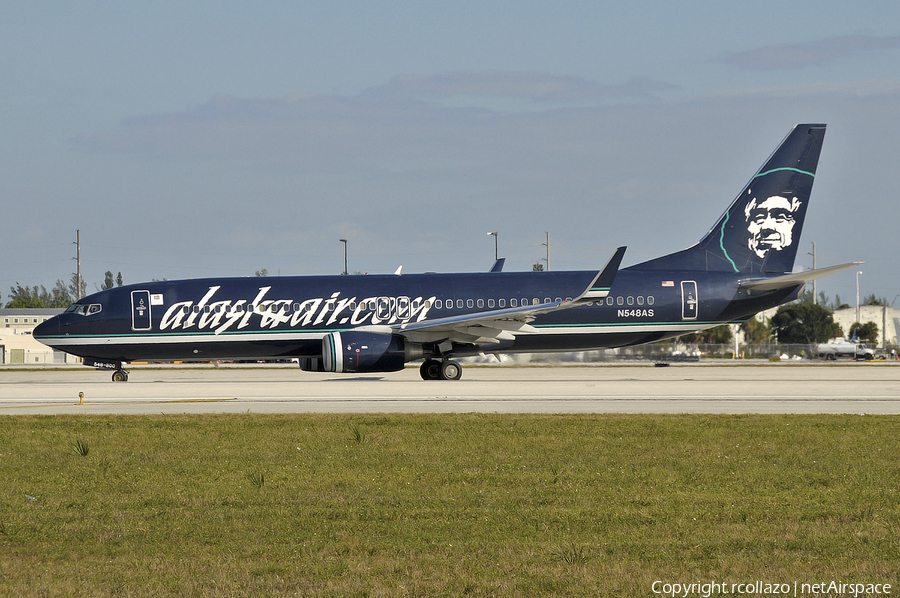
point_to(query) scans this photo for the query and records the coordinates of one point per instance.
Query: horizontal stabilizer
(792, 280)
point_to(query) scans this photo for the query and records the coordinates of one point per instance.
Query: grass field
(442, 505)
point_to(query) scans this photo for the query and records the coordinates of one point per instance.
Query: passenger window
(640, 300)
(650, 300)
(470, 304)
(620, 300)
(490, 303)
(630, 301)
(427, 305)
(479, 303)
(501, 302)
(513, 303)
(547, 300)
(459, 304)
(609, 300)
(536, 301)
(438, 304)
(559, 300)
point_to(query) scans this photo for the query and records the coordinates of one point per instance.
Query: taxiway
(767, 388)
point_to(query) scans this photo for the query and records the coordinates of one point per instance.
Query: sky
(206, 139)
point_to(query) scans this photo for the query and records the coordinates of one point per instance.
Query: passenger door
(140, 310)
(689, 300)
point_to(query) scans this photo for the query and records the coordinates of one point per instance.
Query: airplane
(378, 323)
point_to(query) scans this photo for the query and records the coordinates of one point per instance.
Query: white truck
(849, 349)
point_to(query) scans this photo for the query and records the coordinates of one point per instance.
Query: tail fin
(760, 231)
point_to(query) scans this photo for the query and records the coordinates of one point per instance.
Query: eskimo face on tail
(770, 223)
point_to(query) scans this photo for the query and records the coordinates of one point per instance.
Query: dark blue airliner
(362, 324)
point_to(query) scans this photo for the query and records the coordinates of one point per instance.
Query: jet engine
(360, 352)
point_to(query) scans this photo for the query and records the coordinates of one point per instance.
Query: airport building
(17, 346)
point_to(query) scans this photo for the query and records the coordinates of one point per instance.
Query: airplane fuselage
(285, 317)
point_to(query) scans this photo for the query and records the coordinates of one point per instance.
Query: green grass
(442, 505)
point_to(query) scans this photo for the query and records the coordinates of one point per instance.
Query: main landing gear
(436, 369)
(120, 375)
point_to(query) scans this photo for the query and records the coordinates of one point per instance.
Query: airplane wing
(494, 326)
(792, 280)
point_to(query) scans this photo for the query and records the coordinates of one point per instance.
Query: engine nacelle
(360, 352)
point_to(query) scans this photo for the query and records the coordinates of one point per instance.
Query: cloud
(311, 130)
(375, 133)
(816, 53)
(396, 126)
(514, 85)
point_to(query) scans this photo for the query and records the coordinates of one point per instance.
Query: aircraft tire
(450, 370)
(120, 376)
(430, 369)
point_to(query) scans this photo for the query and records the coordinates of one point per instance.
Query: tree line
(61, 295)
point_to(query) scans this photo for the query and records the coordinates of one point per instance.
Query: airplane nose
(46, 328)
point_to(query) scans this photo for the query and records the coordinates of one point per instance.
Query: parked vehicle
(850, 349)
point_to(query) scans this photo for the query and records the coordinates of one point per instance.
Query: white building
(17, 346)
(886, 318)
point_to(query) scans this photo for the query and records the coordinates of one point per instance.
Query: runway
(871, 388)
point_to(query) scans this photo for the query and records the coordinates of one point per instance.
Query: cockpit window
(84, 310)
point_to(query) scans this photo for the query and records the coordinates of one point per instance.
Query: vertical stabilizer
(760, 231)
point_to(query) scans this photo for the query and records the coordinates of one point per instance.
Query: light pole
(858, 272)
(547, 245)
(813, 254)
(495, 234)
(344, 241)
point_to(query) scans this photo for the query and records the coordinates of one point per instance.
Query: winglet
(599, 288)
(498, 265)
